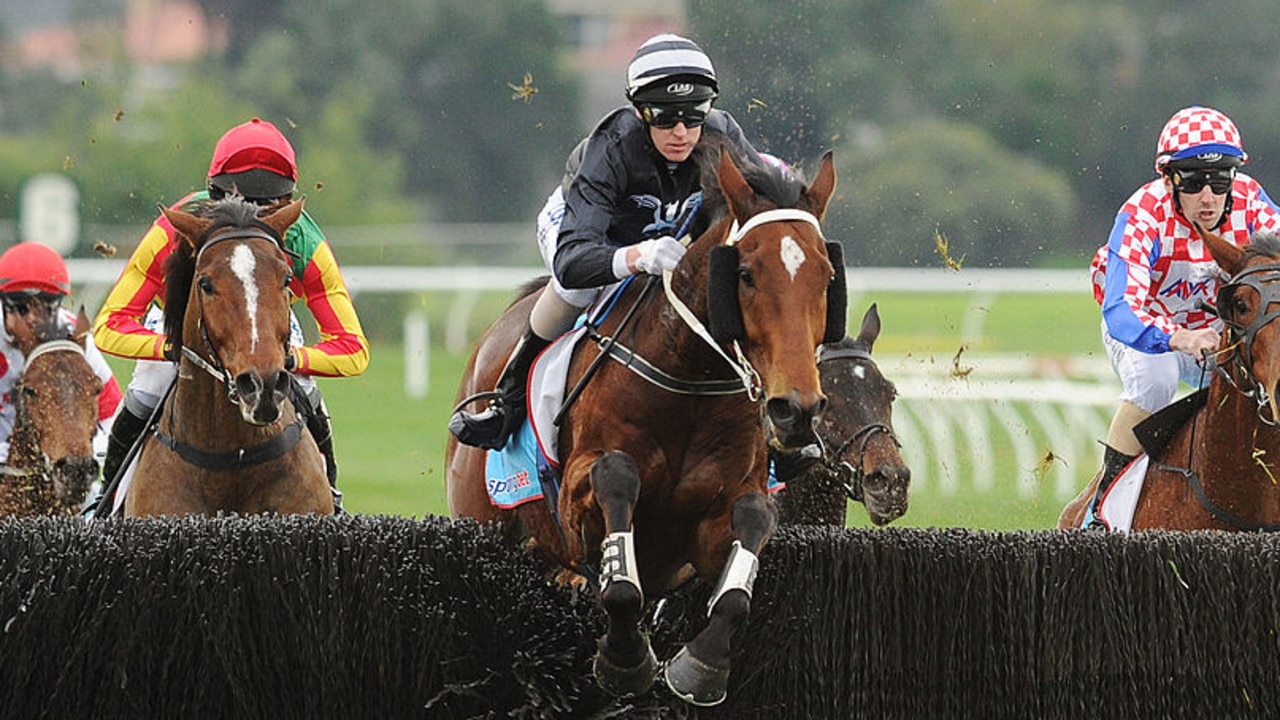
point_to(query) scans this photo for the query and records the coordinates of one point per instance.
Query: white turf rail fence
(1042, 419)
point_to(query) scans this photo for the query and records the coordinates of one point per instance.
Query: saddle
(1155, 432)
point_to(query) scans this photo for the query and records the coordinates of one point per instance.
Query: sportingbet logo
(680, 88)
(519, 481)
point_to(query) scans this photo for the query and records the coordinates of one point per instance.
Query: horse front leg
(624, 664)
(699, 673)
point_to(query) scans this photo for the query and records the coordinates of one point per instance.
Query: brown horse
(51, 465)
(660, 475)
(1219, 470)
(862, 458)
(229, 438)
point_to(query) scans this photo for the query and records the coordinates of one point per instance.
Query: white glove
(658, 255)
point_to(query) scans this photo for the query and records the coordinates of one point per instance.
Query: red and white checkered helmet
(1203, 133)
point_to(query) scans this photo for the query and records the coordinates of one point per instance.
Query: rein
(851, 476)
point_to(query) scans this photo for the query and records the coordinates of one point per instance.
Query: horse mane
(783, 188)
(180, 268)
(1263, 244)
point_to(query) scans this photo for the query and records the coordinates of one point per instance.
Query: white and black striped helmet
(668, 68)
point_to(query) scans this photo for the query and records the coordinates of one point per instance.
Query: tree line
(972, 132)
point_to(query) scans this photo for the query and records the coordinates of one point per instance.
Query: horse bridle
(1240, 348)
(20, 402)
(852, 477)
(1239, 375)
(214, 366)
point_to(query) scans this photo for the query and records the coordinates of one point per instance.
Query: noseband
(851, 477)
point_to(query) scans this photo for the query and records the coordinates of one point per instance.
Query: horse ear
(819, 192)
(83, 325)
(286, 216)
(736, 190)
(189, 227)
(1228, 256)
(870, 327)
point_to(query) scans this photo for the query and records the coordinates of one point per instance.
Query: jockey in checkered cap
(1155, 271)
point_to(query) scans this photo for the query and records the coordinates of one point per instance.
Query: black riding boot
(322, 432)
(125, 430)
(1113, 461)
(490, 428)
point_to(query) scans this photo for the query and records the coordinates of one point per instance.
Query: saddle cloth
(1121, 499)
(516, 473)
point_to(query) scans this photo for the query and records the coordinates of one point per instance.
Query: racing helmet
(33, 268)
(254, 160)
(669, 69)
(1199, 138)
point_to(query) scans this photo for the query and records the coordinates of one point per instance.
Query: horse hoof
(625, 682)
(694, 681)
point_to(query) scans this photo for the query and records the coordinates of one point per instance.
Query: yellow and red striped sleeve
(118, 327)
(343, 350)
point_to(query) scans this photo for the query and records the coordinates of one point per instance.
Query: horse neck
(1230, 442)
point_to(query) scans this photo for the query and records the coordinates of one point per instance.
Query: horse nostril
(784, 413)
(248, 385)
(281, 385)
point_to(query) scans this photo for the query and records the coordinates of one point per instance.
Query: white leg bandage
(619, 560)
(739, 574)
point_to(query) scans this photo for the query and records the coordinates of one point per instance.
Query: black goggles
(22, 301)
(1193, 181)
(665, 117)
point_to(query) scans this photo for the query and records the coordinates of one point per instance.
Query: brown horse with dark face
(51, 465)
(671, 470)
(229, 438)
(1219, 471)
(861, 458)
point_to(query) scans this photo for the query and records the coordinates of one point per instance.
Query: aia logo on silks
(1186, 289)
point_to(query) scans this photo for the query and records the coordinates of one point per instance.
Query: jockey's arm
(343, 350)
(118, 328)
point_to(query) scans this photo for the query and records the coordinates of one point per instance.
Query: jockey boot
(322, 432)
(1113, 462)
(490, 428)
(125, 431)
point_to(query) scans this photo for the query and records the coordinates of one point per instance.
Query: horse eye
(206, 285)
(744, 276)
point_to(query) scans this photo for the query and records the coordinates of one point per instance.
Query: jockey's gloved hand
(655, 257)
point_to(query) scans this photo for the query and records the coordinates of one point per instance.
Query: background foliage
(1014, 128)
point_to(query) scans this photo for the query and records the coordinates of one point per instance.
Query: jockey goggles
(21, 301)
(666, 116)
(1193, 181)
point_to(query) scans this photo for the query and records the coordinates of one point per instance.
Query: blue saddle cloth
(512, 473)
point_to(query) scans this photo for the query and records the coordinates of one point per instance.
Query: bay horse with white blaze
(1219, 470)
(861, 456)
(662, 474)
(51, 464)
(229, 438)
